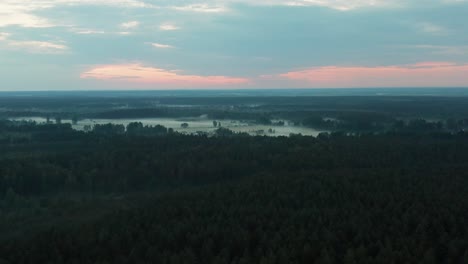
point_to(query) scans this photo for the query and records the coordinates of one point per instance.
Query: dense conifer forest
(146, 194)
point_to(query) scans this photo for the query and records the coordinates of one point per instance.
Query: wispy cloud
(24, 12)
(347, 5)
(168, 27)
(84, 31)
(28, 13)
(342, 5)
(138, 73)
(432, 28)
(130, 24)
(161, 46)
(21, 17)
(33, 46)
(39, 46)
(443, 49)
(4, 36)
(202, 8)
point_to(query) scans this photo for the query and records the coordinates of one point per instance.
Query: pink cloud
(138, 74)
(425, 74)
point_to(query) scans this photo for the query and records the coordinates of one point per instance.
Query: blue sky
(150, 44)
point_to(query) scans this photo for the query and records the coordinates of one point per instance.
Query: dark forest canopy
(145, 194)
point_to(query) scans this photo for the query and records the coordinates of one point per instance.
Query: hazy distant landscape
(253, 112)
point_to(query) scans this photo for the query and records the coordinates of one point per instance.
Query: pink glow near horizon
(425, 74)
(420, 74)
(144, 75)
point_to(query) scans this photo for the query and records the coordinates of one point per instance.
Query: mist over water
(195, 125)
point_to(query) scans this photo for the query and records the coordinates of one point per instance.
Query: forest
(147, 194)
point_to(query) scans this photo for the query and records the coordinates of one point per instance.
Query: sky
(232, 44)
